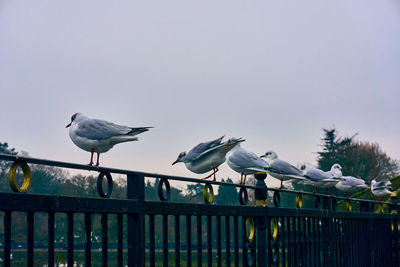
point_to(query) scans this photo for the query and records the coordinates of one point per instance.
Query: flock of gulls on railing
(99, 136)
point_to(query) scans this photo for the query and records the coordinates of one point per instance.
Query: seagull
(99, 136)
(245, 163)
(350, 183)
(319, 178)
(381, 189)
(207, 156)
(281, 169)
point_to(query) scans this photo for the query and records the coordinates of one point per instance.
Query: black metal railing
(166, 233)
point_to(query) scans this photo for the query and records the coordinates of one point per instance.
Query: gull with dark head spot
(245, 163)
(281, 169)
(207, 156)
(381, 189)
(350, 184)
(320, 178)
(94, 135)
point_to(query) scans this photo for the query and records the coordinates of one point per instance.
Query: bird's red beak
(176, 161)
(68, 125)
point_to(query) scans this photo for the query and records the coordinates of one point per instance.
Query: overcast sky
(272, 72)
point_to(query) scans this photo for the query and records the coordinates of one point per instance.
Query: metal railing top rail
(61, 164)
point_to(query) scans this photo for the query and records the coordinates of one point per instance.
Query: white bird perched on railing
(350, 184)
(207, 156)
(245, 162)
(281, 169)
(381, 189)
(94, 135)
(320, 178)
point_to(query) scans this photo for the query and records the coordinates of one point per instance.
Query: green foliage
(358, 158)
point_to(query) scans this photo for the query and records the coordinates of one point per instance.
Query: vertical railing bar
(50, 240)
(309, 245)
(152, 241)
(165, 240)
(30, 222)
(120, 218)
(189, 240)
(290, 241)
(332, 240)
(70, 238)
(283, 242)
(199, 242)
(227, 241)
(295, 240)
(236, 239)
(7, 238)
(303, 241)
(219, 262)
(104, 238)
(244, 242)
(88, 241)
(135, 226)
(209, 241)
(353, 242)
(177, 242)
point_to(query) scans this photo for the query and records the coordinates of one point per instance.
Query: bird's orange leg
(98, 156)
(91, 157)
(212, 174)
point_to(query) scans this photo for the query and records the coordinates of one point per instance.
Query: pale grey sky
(272, 72)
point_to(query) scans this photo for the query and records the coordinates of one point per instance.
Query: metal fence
(206, 234)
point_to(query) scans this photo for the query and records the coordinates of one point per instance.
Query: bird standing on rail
(281, 169)
(207, 156)
(94, 135)
(381, 189)
(320, 178)
(245, 162)
(350, 184)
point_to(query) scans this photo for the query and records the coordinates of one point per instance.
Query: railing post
(260, 195)
(135, 228)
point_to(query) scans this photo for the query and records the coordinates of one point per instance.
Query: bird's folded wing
(100, 129)
(201, 148)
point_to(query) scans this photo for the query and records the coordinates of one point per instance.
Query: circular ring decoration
(348, 205)
(12, 179)
(274, 228)
(243, 196)
(275, 252)
(208, 193)
(251, 252)
(100, 184)
(164, 196)
(317, 202)
(249, 230)
(333, 203)
(277, 199)
(299, 201)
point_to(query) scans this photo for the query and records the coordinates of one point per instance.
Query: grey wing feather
(101, 129)
(198, 150)
(248, 160)
(282, 167)
(316, 175)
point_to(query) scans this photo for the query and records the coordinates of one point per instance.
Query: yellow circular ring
(26, 184)
(274, 228)
(208, 194)
(250, 232)
(380, 208)
(392, 223)
(299, 201)
(348, 205)
(394, 211)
